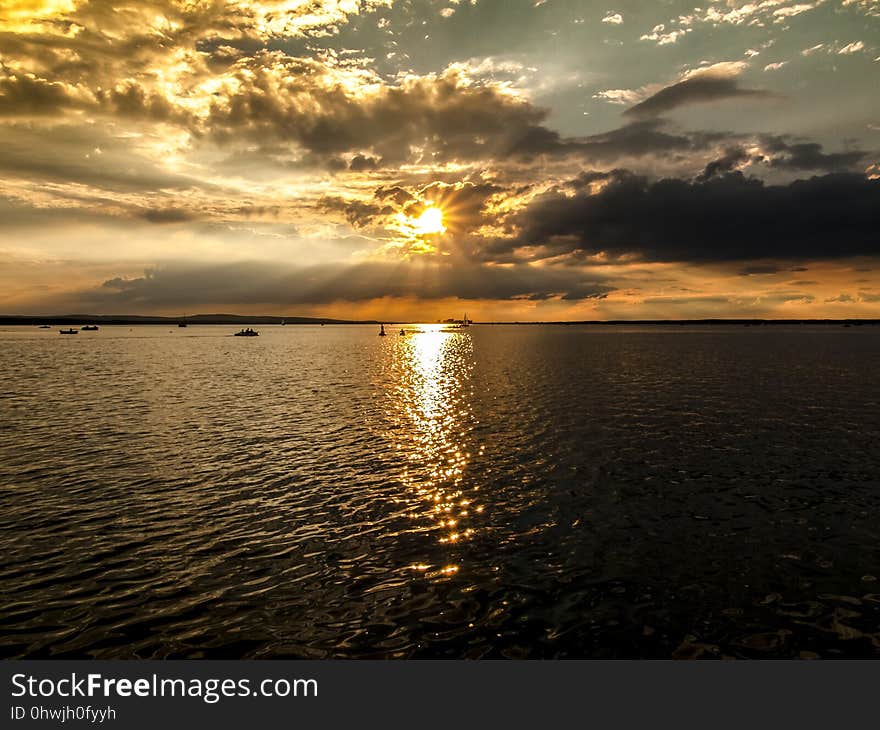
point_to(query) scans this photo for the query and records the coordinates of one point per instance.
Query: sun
(430, 221)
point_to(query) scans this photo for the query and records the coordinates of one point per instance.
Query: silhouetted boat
(402, 333)
(381, 330)
(71, 331)
(45, 326)
(181, 324)
(89, 328)
(247, 333)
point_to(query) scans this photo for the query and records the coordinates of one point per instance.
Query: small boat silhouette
(402, 333)
(45, 327)
(89, 328)
(381, 330)
(247, 333)
(71, 331)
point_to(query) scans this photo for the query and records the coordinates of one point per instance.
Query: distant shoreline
(197, 319)
(234, 319)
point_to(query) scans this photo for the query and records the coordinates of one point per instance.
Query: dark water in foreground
(490, 492)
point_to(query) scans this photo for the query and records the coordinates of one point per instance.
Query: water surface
(495, 491)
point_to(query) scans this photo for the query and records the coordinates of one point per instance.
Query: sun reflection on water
(431, 409)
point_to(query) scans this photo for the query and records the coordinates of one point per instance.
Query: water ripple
(482, 492)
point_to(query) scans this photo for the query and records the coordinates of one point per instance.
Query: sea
(482, 492)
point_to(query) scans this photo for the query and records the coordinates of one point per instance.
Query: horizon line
(145, 319)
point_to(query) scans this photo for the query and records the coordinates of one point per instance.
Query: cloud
(247, 283)
(869, 7)
(780, 153)
(362, 163)
(726, 218)
(853, 47)
(813, 49)
(789, 11)
(619, 96)
(293, 130)
(167, 215)
(84, 154)
(715, 83)
(431, 118)
(465, 205)
(734, 158)
(664, 37)
(836, 48)
(798, 156)
(23, 95)
(167, 20)
(760, 269)
(732, 12)
(358, 213)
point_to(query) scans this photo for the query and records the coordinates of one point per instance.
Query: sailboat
(465, 322)
(381, 330)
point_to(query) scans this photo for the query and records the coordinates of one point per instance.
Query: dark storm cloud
(699, 88)
(778, 153)
(264, 283)
(729, 218)
(801, 156)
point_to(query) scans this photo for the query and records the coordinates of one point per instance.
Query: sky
(415, 160)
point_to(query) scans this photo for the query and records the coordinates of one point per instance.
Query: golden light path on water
(431, 406)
